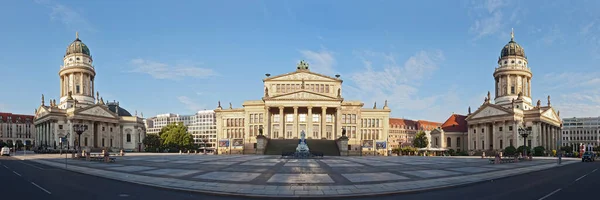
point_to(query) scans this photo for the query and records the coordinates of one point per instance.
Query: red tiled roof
(456, 123)
(14, 118)
(403, 122)
(428, 125)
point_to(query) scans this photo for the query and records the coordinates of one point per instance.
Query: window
(482, 144)
(77, 89)
(289, 117)
(315, 131)
(353, 119)
(474, 130)
(60, 126)
(111, 144)
(260, 118)
(448, 142)
(482, 130)
(329, 118)
(103, 128)
(85, 141)
(110, 129)
(276, 118)
(500, 128)
(128, 137)
(344, 119)
(251, 118)
(458, 142)
(510, 128)
(102, 142)
(315, 117)
(512, 89)
(474, 145)
(302, 117)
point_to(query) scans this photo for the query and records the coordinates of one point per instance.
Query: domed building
(107, 124)
(495, 126)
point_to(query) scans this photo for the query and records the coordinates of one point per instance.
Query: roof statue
(101, 101)
(97, 96)
(558, 113)
(488, 96)
(302, 84)
(219, 106)
(42, 99)
(142, 114)
(520, 95)
(385, 104)
(548, 100)
(539, 103)
(136, 113)
(230, 106)
(303, 65)
(70, 96)
(512, 34)
(339, 92)
(469, 110)
(266, 92)
(76, 35)
(375, 105)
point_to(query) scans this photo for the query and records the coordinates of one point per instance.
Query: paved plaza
(273, 176)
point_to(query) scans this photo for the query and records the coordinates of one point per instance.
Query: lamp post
(524, 132)
(79, 129)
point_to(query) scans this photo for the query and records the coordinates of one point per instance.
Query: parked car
(588, 156)
(5, 151)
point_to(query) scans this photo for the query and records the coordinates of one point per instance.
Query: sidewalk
(356, 185)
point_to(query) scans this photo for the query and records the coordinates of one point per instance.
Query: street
(29, 180)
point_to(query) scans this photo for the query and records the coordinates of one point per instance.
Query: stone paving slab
(244, 175)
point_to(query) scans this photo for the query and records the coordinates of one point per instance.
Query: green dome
(78, 47)
(512, 49)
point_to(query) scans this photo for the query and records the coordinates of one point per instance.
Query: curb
(232, 194)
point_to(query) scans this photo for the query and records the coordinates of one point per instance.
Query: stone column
(267, 123)
(81, 83)
(495, 144)
(516, 134)
(296, 132)
(507, 84)
(323, 122)
(281, 123)
(309, 132)
(338, 123)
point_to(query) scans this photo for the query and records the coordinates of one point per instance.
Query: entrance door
(95, 138)
(490, 141)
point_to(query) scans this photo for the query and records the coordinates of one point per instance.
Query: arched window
(457, 142)
(448, 142)
(128, 137)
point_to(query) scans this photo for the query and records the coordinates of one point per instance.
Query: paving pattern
(303, 177)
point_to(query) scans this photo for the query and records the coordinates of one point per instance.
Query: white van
(5, 151)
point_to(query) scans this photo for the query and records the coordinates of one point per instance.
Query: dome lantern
(512, 48)
(77, 46)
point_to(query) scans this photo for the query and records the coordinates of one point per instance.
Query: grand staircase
(278, 146)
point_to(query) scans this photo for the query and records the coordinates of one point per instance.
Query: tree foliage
(510, 151)
(175, 137)
(152, 143)
(420, 140)
(538, 151)
(520, 149)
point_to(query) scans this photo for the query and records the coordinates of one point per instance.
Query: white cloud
(164, 71)
(190, 104)
(71, 18)
(590, 33)
(321, 62)
(383, 78)
(582, 99)
(490, 17)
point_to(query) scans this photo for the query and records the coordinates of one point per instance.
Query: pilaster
(309, 123)
(295, 132)
(281, 123)
(323, 122)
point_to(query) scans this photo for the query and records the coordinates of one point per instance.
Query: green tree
(538, 151)
(567, 149)
(175, 137)
(152, 143)
(520, 149)
(510, 151)
(420, 140)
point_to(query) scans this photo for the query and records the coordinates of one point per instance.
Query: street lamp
(524, 132)
(79, 129)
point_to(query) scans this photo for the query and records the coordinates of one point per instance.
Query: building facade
(303, 101)
(581, 131)
(494, 126)
(452, 134)
(402, 132)
(16, 129)
(109, 125)
(202, 126)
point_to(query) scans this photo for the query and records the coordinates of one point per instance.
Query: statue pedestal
(342, 144)
(261, 144)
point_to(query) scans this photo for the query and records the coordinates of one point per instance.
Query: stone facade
(302, 100)
(16, 129)
(494, 126)
(580, 131)
(109, 125)
(452, 134)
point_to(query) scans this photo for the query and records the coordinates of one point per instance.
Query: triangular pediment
(303, 95)
(488, 110)
(97, 110)
(299, 75)
(550, 114)
(42, 111)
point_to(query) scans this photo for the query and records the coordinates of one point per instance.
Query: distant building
(202, 126)
(16, 128)
(578, 131)
(402, 132)
(452, 134)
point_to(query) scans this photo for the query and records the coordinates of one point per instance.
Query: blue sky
(427, 58)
